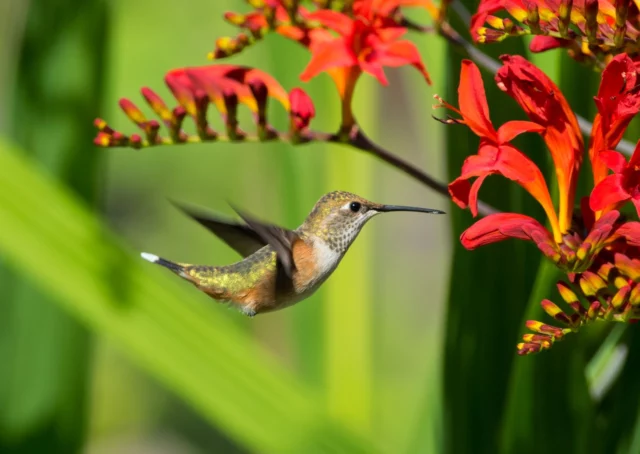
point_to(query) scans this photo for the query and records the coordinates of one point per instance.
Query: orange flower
(544, 104)
(495, 155)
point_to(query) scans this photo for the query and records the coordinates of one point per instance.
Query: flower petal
(473, 101)
(618, 101)
(334, 20)
(511, 163)
(473, 194)
(614, 160)
(544, 104)
(608, 193)
(630, 231)
(511, 129)
(327, 55)
(500, 226)
(400, 53)
(182, 89)
(460, 189)
(543, 43)
(635, 157)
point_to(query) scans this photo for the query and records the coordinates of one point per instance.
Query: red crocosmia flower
(367, 42)
(544, 104)
(622, 186)
(618, 101)
(495, 155)
(570, 246)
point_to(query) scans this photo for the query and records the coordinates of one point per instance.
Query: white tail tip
(150, 257)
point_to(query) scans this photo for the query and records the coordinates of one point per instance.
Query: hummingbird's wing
(279, 238)
(242, 238)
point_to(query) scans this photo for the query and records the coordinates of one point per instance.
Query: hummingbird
(281, 267)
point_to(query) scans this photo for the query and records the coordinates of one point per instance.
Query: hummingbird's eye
(355, 207)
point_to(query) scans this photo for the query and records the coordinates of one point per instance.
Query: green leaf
(45, 352)
(164, 325)
(548, 392)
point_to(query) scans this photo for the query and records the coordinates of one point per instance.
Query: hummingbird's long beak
(388, 208)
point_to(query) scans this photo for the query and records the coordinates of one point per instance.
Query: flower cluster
(362, 36)
(597, 247)
(591, 30)
(224, 86)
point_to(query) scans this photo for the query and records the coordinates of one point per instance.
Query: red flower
(598, 250)
(495, 155)
(544, 104)
(618, 101)
(571, 247)
(623, 185)
(368, 43)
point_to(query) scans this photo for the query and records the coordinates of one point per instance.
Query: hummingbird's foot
(249, 311)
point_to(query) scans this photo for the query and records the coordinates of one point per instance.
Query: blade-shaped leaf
(45, 353)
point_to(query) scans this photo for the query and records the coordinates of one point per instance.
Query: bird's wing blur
(242, 238)
(279, 238)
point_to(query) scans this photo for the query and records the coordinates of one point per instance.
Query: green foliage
(46, 353)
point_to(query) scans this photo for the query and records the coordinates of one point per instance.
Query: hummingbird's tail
(175, 267)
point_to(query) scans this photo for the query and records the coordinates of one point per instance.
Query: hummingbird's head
(338, 217)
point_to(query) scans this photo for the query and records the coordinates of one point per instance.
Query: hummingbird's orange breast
(257, 284)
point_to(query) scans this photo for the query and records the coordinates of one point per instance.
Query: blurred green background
(408, 348)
